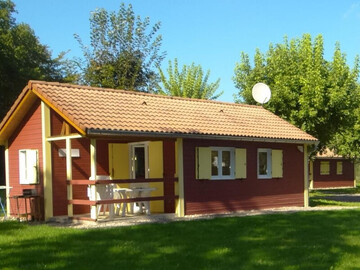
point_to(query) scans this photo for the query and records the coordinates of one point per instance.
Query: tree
(123, 51)
(22, 57)
(319, 96)
(190, 82)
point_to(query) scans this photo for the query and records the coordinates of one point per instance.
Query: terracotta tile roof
(328, 153)
(109, 110)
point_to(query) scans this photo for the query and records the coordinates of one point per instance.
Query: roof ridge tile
(138, 93)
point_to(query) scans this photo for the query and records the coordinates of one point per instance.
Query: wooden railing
(120, 181)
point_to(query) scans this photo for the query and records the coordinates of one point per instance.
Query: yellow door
(155, 161)
(119, 160)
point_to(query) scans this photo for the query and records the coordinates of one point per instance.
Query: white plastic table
(141, 192)
(134, 193)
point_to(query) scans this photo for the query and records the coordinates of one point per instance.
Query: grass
(303, 240)
(325, 192)
(327, 202)
(320, 197)
(3, 200)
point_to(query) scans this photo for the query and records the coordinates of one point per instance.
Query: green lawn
(318, 196)
(303, 240)
(324, 192)
(3, 200)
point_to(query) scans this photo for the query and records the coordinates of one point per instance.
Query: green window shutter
(155, 160)
(119, 160)
(240, 163)
(277, 163)
(203, 163)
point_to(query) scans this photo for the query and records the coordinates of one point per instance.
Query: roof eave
(16, 113)
(116, 133)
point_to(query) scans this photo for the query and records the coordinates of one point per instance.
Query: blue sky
(211, 33)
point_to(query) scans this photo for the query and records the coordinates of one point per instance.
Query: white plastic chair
(120, 194)
(103, 192)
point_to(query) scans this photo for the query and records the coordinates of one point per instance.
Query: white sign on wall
(74, 152)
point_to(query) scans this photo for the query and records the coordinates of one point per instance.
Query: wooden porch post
(306, 177)
(93, 209)
(180, 208)
(69, 176)
(47, 167)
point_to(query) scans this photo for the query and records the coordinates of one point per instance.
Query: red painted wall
(169, 173)
(27, 136)
(334, 180)
(215, 196)
(80, 170)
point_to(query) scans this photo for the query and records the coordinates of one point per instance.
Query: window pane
(225, 163)
(139, 162)
(214, 163)
(263, 163)
(22, 167)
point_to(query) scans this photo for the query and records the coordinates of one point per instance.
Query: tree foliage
(123, 51)
(22, 57)
(190, 82)
(319, 96)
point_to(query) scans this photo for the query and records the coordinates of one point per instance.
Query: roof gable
(16, 113)
(94, 110)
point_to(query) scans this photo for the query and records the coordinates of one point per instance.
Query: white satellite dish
(261, 93)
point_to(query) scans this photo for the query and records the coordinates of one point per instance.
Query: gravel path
(165, 218)
(341, 197)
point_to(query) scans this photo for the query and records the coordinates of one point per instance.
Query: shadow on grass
(304, 240)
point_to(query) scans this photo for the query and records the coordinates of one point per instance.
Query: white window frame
(232, 163)
(268, 164)
(28, 166)
(132, 147)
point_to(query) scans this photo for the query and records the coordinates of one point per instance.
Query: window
(264, 163)
(324, 167)
(270, 163)
(28, 166)
(339, 168)
(222, 163)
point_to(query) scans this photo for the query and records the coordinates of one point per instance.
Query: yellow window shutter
(339, 167)
(240, 163)
(203, 163)
(119, 160)
(277, 163)
(324, 167)
(156, 160)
